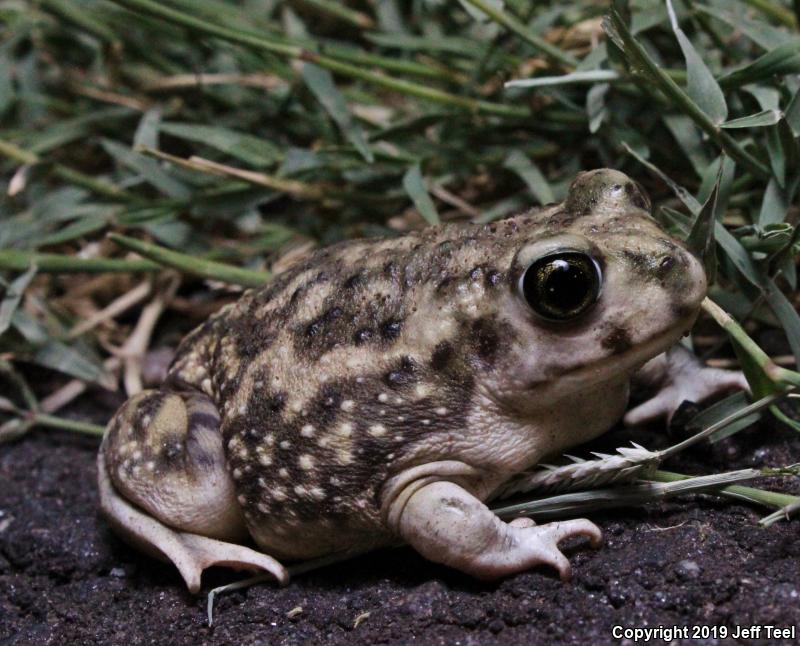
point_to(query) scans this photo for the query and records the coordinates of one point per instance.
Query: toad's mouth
(612, 368)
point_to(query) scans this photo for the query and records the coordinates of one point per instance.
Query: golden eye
(561, 286)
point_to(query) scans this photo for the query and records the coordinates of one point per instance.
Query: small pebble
(687, 569)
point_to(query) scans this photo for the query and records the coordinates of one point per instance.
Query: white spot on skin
(300, 490)
(237, 473)
(269, 439)
(426, 422)
(348, 405)
(441, 410)
(383, 398)
(264, 460)
(377, 430)
(318, 493)
(137, 455)
(242, 500)
(283, 473)
(398, 400)
(306, 462)
(263, 508)
(323, 441)
(285, 444)
(344, 456)
(421, 391)
(345, 430)
(242, 410)
(279, 494)
(335, 481)
(307, 431)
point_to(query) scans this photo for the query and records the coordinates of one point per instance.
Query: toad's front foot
(446, 524)
(680, 376)
(533, 545)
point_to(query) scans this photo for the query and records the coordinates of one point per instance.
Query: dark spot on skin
(277, 402)
(362, 336)
(251, 339)
(484, 339)
(456, 504)
(331, 397)
(203, 420)
(639, 262)
(147, 407)
(681, 309)
(442, 356)
(476, 273)
(199, 457)
(354, 281)
(493, 278)
(444, 284)
(636, 196)
(316, 326)
(173, 449)
(391, 329)
(390, 270)
(669, 244)
(618, 341)
(403, 375)
(560, 220)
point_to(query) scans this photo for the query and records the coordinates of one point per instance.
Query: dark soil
(66, 579)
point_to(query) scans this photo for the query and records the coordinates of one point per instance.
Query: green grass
(212, 137)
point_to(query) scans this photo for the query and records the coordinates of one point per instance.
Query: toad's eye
(561, 286)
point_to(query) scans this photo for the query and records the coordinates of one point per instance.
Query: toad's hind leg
(164, 485)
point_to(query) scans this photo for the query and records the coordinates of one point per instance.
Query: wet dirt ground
(695, 561)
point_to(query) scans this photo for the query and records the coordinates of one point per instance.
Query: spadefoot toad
(384, 389)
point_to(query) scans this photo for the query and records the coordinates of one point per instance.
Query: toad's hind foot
(165, 486)
(191, 553)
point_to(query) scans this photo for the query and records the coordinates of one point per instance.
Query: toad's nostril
(667, 263)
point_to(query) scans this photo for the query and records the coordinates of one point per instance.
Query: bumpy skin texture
(380, 386)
